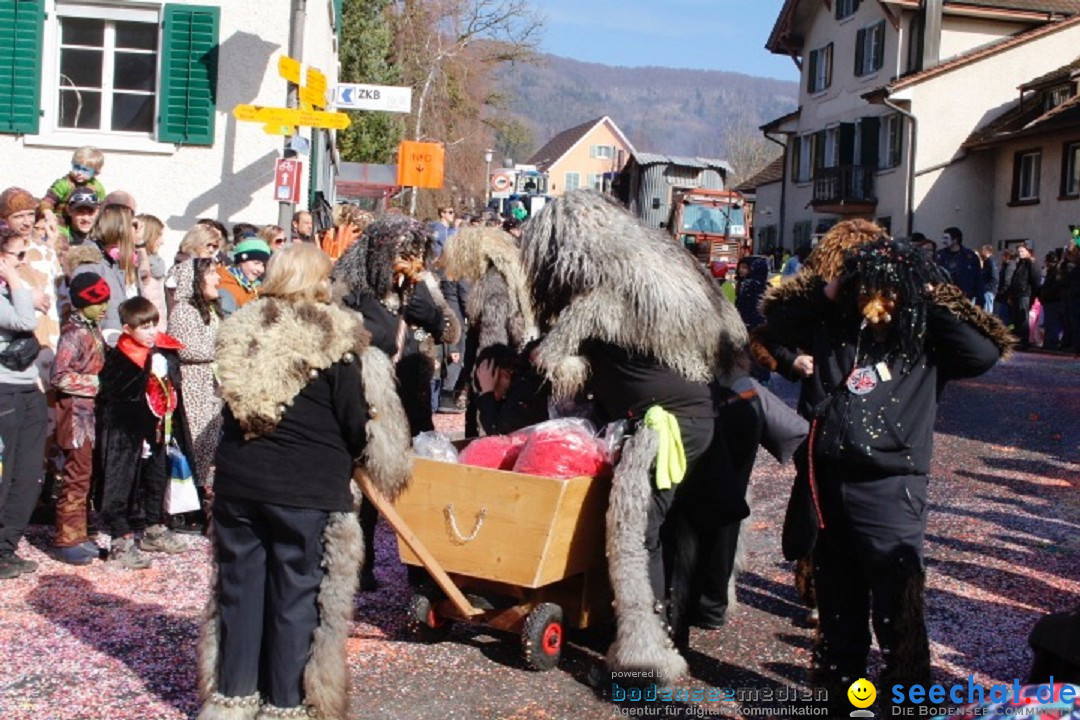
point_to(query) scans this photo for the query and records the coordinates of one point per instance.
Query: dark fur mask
(368, 264)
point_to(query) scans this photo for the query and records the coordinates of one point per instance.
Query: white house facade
(153, 85)
(890, 92)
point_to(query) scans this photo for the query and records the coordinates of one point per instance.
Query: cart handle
(451, 521)
(384, 506)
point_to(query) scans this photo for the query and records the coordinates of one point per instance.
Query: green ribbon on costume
(670, 456)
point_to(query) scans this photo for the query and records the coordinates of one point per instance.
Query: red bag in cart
(563, 449)
(498, 452)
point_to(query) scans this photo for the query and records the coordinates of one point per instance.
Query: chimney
(931, 33)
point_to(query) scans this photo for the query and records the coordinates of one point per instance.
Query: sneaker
(125, 554)
(74, 555)
(91, 548)
(159, 538)
(9, 570)
(23, 566)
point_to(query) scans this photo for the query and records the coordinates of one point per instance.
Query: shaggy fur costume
(499, 303)
(596, 272)
(641, 641)
(258, 351)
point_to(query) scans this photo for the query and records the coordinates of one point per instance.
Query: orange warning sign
(420, 164)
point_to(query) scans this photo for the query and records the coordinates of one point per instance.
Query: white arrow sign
(388, 98)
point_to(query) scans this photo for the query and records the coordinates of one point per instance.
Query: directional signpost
(312, 93)
(387, 98)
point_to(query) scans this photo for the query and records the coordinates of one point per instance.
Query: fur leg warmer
(641, 642)
(326, 676)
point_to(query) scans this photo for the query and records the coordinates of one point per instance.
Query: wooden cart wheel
(423, 619)
(542, 636)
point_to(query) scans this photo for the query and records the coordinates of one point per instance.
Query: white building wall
(960, 34)
(1044, 226)
(952, 187)
(230, 180)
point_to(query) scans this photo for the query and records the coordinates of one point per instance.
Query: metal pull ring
(455, 532)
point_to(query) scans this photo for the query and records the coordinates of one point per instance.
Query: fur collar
(269, 350)
(791, 303)
(85, 254)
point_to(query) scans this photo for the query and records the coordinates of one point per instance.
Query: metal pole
(298, 9)
(487, 182)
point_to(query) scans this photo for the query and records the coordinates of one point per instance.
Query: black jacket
(318, 436)
(526, 403)
(1024, 281)
(889, 429)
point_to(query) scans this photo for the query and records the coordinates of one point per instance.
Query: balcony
(845, 190)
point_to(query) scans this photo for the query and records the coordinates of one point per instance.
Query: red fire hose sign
(287, 180)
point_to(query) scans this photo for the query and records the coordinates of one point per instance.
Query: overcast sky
(700, 34)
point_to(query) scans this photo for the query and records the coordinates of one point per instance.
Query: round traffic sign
(501, 181)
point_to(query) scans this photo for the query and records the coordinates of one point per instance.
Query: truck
(714, 225)
(522, 183)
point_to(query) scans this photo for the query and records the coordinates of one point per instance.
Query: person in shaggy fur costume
(306, 397)
(882, 337)
(498, 308)
(383, 277)
(632, 316)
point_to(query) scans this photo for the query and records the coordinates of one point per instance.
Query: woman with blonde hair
(113, 236)
(274, 236)
(201, 241)
(148, 231)
(306, 398)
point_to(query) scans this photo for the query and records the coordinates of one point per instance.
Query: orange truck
(712, 224)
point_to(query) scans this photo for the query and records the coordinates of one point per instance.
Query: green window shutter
(22, 25)
(337, 18)
(189, 68)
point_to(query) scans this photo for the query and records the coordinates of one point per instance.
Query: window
(832, 147)
(892, 141)
(572, 182)
(846, 8)
(1056, 96)
(819, 74)
(602, 151)
(1026, 167)
(801, 234)
(107, 79)
(803, 158)
(116, 76)
(1070, 170)
(596, 181)
(870, 49)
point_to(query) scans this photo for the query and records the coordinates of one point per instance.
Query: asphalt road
(1003, 549)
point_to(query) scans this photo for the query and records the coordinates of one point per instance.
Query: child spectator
(139, 409)
(80, 356)
(86, 164)
(241, 281)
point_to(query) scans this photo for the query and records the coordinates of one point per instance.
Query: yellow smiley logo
(862, 693)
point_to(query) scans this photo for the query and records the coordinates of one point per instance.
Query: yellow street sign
(291, 116)
(313, 96)
(289, 69)
(276, 129)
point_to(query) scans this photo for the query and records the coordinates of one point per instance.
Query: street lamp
(488, 155)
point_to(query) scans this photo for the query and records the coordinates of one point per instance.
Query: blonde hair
(197, 238)
(152, 229)
(114, 227)
(298, 273)
(267, 232)
(89, 156)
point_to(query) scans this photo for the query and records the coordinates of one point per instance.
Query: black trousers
(269, 569)
(1018, 310)
(23, 417)
(868, 563)
(134, 497)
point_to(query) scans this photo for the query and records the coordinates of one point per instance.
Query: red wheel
(424, 621)
(542, 637)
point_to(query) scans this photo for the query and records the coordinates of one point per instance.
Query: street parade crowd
(267, 364)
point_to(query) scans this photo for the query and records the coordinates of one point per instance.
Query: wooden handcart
(514, 552)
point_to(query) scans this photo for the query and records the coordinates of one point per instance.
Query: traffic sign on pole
(387, 98)
(291, 117)
(420, 164)
(287, 172)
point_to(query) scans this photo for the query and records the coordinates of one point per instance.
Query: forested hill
(678, 112)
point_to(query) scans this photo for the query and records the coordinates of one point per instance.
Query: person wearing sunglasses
(86, 164)
(23, 413)
(274, 236)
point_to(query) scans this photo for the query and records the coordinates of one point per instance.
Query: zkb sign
(387, 98)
